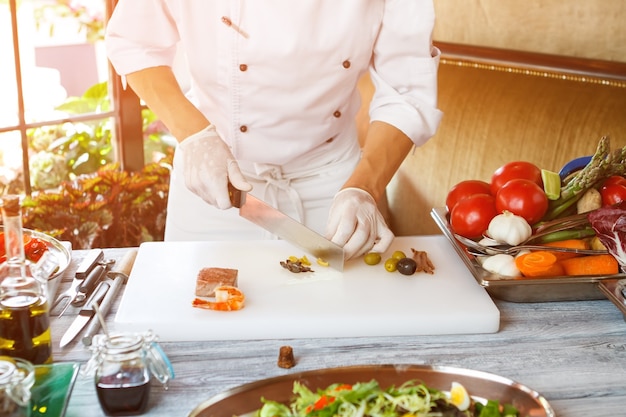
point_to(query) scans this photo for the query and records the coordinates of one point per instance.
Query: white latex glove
(209, 166)
(356, 224)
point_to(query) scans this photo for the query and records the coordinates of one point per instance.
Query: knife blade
(93, 257)
(85, 314)
(286, 228)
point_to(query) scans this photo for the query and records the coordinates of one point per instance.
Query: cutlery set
(94, 285)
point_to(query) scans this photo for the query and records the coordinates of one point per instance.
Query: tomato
(612, 194)
(34, 249)
(614, 179)
(515, 170)
(465, 189)
(524, 198)
(470, 217)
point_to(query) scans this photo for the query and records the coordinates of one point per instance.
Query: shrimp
(227, 298)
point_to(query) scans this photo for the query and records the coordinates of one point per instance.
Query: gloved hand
(209, 166)
(356, 224)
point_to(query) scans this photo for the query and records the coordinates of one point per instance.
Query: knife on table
(86, 313)
(118, 276)
(286, 228)
(88, 285)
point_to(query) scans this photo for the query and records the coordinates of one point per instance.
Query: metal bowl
(55, 247)
(246, 399)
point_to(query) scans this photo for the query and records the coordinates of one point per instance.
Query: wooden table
(573, 353)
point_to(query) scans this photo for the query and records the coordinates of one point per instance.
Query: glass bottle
(24, 308)
(17, 377)
(123, 365)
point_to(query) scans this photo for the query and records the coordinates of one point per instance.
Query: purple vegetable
(609, 223)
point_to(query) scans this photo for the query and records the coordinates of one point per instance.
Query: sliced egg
(459, 396)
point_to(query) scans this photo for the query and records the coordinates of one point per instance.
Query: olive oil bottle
(24, 307)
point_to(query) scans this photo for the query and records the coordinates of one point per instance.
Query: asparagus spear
(603, 164)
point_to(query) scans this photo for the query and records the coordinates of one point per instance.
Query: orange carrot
(539, 264)
(569, 243)
(591, 265)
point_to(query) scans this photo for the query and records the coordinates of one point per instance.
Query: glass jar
(124, 364)
(17, 377)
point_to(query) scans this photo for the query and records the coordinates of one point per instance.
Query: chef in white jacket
(271, 104)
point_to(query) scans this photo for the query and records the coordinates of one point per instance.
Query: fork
(477, 249)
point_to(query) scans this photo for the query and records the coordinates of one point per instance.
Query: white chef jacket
(278, 77)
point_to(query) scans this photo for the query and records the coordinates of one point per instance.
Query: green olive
(398, 255)
(406, 266)
(372, 258)
(390, 264)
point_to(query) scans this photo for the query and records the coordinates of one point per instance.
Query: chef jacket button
(337, 114)
(243, 129)
(346, 64)
(243, 67)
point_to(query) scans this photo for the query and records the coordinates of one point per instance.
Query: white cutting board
(364, 300)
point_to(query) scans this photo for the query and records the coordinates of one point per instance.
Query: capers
(390, 264)
(406, 266)
(372, 258)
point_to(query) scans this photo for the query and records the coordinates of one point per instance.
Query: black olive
(406, 266)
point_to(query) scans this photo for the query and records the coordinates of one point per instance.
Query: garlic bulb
(501, 264)
(509, 228)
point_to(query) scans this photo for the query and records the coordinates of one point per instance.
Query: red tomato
(615, 179)
(470, 217)
(524, 198)
(465, 189)
(613, 194)
(515, 170)
(34, 249)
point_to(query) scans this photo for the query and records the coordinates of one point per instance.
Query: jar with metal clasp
(17, 377)
(124, 365)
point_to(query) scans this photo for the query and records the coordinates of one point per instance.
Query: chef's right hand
(209, 166)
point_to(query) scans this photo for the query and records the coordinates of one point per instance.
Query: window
(62, 110)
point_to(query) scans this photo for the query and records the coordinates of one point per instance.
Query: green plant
(110, 208)
(63, 152)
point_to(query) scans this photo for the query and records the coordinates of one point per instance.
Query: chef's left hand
(356, 224)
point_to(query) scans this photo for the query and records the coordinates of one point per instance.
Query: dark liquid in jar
(25, 329)
(125, 393)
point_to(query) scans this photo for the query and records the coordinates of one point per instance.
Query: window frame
(125, 111)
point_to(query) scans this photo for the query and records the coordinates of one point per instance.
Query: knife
(118, 276)
(286, 228)
(88, 285)
(86, 313)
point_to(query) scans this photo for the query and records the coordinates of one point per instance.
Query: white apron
(303, 189)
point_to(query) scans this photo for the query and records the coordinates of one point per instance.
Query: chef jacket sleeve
(141, 34)
(404, 70)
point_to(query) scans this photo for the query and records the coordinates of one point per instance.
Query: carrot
(539, 264)
(569, 243)
(591, 265)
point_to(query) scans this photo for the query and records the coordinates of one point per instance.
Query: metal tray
(246, 399)
(520, 289)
